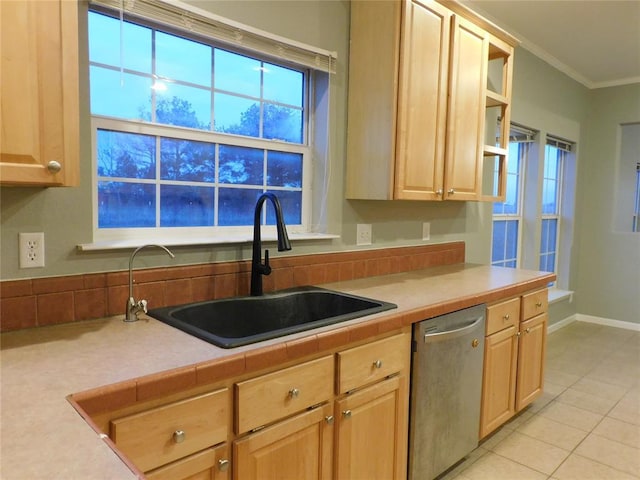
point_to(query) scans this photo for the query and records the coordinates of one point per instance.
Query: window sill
(174, 242)
(556, 295)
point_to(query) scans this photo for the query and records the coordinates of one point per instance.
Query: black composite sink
(238, 321)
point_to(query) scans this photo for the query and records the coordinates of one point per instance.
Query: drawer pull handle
(506, 317)
(294, 393)
(475, 343)
(346, 413)
(179, 436)
(329, 419)
(377, 364)
(223, 465)
(538, 304)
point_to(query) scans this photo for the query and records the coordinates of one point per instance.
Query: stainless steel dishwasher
(446, 385)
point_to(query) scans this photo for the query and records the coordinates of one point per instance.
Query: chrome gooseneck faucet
(257, 267)
(133, 307)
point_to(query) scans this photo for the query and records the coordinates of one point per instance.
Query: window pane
(544, 237)
(236, 206)
(237, 73)
(236, 115)
(184, 106)
(115, 95)
(186, 206)
(283, 85)
(291, 203)
(284, 169)
(241, 165)
(128, 155)
(499, 237)
(282, 123)
(181, 59)
(512, 239)
(104, 43)
(187, 160)
(123, 205)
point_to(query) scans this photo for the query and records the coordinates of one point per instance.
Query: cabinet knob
(223, 465)
(439, 192)
(538, 304)
(329, 419)
(451, 191)
(179, 436)
(377, 364)
(518, 334)
(294, 393)
(346, 413)
(54, 167)
(506, 317)
(527, 330)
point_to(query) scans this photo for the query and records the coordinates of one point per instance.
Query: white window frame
(565, 147)
(524, 136)
(262, 44)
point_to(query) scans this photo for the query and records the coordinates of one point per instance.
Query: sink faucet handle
(142, 306)
(266, 268)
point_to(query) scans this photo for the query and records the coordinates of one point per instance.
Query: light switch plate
(426, 231)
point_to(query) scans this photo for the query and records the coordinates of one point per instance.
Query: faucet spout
(134, 308)
(257, 267)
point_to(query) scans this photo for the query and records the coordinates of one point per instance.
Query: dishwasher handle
(447, 334)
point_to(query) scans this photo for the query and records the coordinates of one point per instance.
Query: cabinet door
(372, 432)
(499, 379)
(297, 448)
(210, 464)
(39, 93)
(533, 335)
(467, 87)
(422, 105)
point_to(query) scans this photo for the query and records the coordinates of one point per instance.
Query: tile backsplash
(46, 301)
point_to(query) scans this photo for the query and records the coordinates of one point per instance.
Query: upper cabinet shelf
(428, 82)
(39, 143)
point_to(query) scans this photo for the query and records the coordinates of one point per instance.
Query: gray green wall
(543, 99)
(608, 276)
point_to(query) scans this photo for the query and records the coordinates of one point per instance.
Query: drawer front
(534, 304)
(210, 464)
(503, 315)
(372, 362)
(164, 434)
(265, 399)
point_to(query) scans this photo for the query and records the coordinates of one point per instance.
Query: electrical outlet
(363, 234)
(31, 246)
(426, 231)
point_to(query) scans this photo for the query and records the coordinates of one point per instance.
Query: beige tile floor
(586, 426)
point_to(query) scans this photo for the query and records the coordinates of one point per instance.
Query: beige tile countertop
(42, 435)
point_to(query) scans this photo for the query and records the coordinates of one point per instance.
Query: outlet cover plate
(31, 250)
(363, 234)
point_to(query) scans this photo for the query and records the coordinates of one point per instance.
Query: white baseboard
(561, 324)
(580, 317)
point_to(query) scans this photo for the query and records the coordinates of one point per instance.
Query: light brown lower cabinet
(299, 447)
(371, 432)
(531, 352)
(210, 464)
(499, 382)
(513, 358)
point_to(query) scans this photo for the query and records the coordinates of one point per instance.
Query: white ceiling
(596, 42)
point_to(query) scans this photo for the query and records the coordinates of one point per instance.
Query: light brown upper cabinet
(428, 82)
(39, 143)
